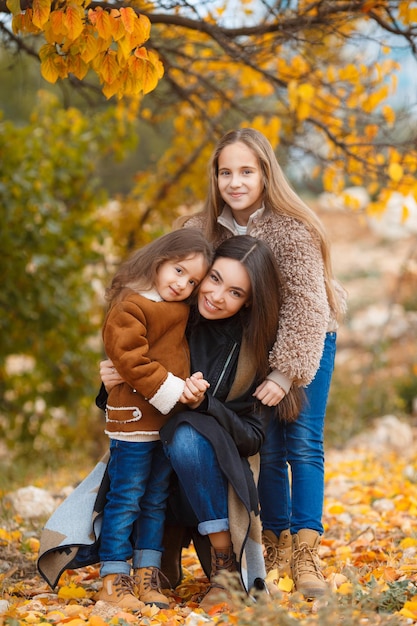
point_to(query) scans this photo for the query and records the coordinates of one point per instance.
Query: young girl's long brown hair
(139, 271)
(261, 316)
(278, 197)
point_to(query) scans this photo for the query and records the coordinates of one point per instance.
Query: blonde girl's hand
(269, 393)
(109, 375)
(194, 390)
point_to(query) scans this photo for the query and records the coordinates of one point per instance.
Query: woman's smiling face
(225, 289)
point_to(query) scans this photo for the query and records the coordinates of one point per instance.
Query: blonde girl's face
(225, 289)
(176, 280)
(240, 180)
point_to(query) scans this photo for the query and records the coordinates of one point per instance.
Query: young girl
(248, 193)
(144, 336)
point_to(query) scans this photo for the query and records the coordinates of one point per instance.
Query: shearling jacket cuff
(283, 381)
(168, 394)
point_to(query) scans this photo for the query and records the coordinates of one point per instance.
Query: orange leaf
(73, 20)
(57, 22)
(221, 607)
(102, 22)
(129, 18)
(41, 12)
(117, 28)
(96, 620)
(109, 69)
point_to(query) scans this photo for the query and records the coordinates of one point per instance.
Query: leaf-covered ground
(369, 555)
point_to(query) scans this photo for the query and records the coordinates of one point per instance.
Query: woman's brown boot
(222, 560)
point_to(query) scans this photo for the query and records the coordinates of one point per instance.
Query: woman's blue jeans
(134, 513)
(300, 445)
(194, 461)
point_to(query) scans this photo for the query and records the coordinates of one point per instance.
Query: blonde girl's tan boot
(119, 590)
(306, 572)
(278, 552)
(149, 582)
(222, 561)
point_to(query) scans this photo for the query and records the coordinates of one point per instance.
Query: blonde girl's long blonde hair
(278, 197)
(139, 271)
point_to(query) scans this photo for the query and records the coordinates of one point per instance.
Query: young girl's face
(176, 280)
(225, 289)
(240, 181)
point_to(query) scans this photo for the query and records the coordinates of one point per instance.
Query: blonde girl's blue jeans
(299, 447)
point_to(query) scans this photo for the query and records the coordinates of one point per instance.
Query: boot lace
(155, 579)
(123, 585)
(225, 561)
(306, 561)
(271, 553)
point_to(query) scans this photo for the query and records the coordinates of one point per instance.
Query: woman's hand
(269, 393)
(194, 390)
(109, 375)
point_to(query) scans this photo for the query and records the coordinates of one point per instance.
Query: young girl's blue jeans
(300, 445)
(134, 514)
(193, 459)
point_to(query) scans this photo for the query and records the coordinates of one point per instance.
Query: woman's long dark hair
(261, 316)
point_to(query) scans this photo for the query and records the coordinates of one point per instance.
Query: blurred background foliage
(83, 180)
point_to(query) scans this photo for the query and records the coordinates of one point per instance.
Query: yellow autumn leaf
(90, 48)
(49, 70)
(32, 543)
(41, 11)
(306, 92)
(124, 48)
(57, 22)
(156, 62)
(409, 609)
(303, 110)
(101, 20)
(285, 584)
(142, 27)
(395, 172)
(128, 18)
(408, 542)
(412, 15)
(292, 95)
(13, 6)
(117, 28)
(336, 509)
(389, 114)
(71, 591)
(108, 68)
(77, 66)
(113, 89)
(150, 78)
(10, 535)
(345, 589)
(96, 620)
(73, 20)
